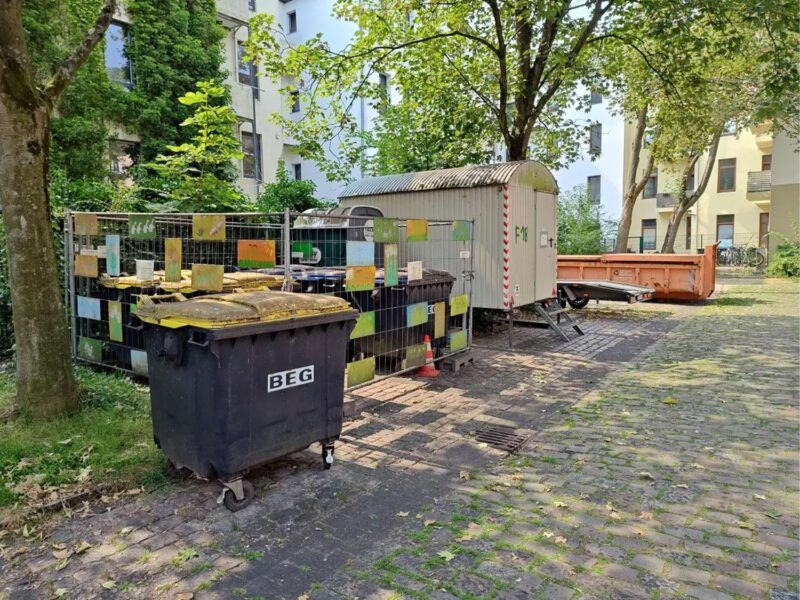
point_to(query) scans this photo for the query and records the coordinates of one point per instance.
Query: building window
(763, 229)
(688, 232)
(725, 230)
(295, 98)
(383, 83)
(123, 156)
(726, 175)
(118, 65)
(596, 98)
(766, 162)
(595, 139)
(251, 4)
(651, 187)
(246, 69)
(690, 184)
(648, 234)
(593, 188)
(293, 21)
(298, 171)
(730, 128)
(251, 150)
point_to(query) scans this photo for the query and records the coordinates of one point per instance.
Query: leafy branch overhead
(518, 61)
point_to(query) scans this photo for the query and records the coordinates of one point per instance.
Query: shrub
(785, 261)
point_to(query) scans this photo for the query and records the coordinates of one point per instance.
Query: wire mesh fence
(409, 278)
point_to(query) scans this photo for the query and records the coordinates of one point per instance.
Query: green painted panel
(365, 325)
(415, 355)
(115, 321)
(90, 349)
(360, 371)
(306, 248)
(458, 305)
(457, 341)
(461, 231)
(386, 230)
(390, 265)
(416, 314)
(142, 227)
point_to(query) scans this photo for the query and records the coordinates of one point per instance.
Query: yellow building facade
(735, 207)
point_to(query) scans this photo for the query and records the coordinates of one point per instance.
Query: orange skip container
(672, 276)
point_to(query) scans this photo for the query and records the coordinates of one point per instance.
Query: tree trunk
(681, 208)
(634, 185)
(45, 380)
(518, 147)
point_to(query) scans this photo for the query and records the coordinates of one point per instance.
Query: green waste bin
(237, 380)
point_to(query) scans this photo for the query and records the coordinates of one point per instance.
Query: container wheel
(232, 504)
(578, 303)
(327, 457)
(176, 472)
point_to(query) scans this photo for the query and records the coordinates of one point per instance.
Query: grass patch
(109, 442)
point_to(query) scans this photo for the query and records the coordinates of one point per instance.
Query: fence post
(287, 252)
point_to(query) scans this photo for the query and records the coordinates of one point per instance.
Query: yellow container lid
(225, 310)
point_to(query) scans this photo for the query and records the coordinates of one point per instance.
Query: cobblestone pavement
(661, 461)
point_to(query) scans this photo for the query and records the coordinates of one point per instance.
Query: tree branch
(66, 70)
(16, 72)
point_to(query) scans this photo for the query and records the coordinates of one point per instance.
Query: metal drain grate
(501, 438)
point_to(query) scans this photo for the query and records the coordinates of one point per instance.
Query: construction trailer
(514, 208)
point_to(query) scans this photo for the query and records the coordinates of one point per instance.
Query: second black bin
(237, 380)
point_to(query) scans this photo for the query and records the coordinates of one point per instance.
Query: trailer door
(546, 253)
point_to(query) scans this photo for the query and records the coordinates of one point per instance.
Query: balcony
(759, 187)
(665, 203)
(763, 135)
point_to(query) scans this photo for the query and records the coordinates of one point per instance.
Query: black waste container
(237, 380)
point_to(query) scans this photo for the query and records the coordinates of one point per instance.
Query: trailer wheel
(578, 303)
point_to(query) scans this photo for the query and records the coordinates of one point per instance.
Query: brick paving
(661, 461)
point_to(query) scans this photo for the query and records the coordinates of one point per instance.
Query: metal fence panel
(408, 277)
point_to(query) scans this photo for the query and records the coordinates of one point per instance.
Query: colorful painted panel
(86, 224)
(88, 308)
(208, 278)
(359, 279)
(365, 325)
(255, 254)
(142, 227)
(360, 371)
(386, 230)
(461, 231)
(90, 349)
(417, 230)
(438, 320)
(112, 255)
(173, 258)
(139, 362)
(390, 265)
(86, 266)
(416, 314)
(208, 228)
(414, 270)
(360, 253)
(459, 304)
(457, 341)
(302, 249)
(115, 321)
(145, 270)
(415, 355)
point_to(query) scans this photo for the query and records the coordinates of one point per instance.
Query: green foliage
(414, 136)
(199, 174)
(785, 260)
(510, 67)
(175, 45)
(581, 229)
(286, 192)
(109, 441)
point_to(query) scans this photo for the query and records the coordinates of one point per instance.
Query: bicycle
(741, 256)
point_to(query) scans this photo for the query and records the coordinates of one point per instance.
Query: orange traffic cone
(429, 370)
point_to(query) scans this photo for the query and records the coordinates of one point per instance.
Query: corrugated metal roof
(460, 177)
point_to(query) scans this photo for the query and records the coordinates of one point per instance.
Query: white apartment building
(599, 167)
